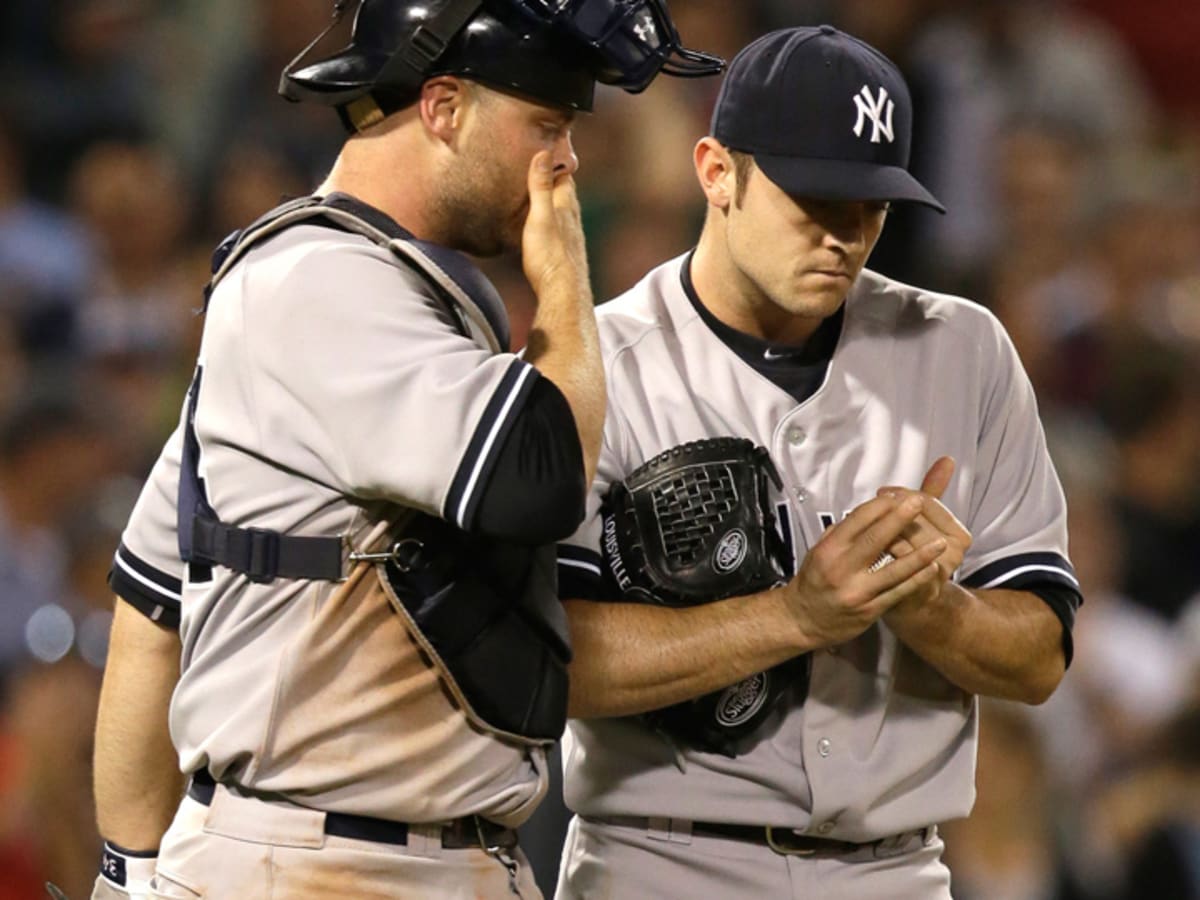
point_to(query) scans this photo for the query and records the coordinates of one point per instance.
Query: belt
(469, 831)
(787, 841)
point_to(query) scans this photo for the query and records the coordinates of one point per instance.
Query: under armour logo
(877, 110)
(645, 29)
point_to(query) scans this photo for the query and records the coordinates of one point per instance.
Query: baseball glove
(691, 526)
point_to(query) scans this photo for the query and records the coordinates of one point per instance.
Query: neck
(736, 299)
(385, 168)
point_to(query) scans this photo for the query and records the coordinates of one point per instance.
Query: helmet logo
(645, 29)
(731, 551)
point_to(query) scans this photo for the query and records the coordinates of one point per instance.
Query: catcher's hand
(694, 525)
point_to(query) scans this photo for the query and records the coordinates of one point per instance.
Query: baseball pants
(607, 862)
(247, 848)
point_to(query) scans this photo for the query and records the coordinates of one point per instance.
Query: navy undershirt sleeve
(1063, 601)
(537, 492)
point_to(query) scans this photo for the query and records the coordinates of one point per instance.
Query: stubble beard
(472, 211)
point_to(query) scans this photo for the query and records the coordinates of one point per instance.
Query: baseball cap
(824, 114)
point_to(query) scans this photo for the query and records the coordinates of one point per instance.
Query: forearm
(633, 657)
(137, 781)
(565, 347)
(995, 643)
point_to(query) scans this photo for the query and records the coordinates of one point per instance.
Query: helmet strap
(430, 40)
(339, 10)
(363, 113)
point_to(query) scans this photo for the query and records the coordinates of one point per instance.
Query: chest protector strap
(486, 612)
(464, 293)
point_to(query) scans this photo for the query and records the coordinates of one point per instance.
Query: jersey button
(801, 495)
(826, 827)
(824, 746)
(796, 436)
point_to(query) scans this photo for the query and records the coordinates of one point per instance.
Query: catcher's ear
(716, 172)
(442, 105)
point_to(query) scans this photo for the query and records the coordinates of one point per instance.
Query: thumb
(937, 479)
(541, 177)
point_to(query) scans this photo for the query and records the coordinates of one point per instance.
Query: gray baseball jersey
(318, 418)
(883, 743)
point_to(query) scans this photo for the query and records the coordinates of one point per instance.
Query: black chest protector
(486, 611)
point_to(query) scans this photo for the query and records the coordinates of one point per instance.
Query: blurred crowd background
(1063, 136)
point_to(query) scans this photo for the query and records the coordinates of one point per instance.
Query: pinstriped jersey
(882, 743)
(334, 389)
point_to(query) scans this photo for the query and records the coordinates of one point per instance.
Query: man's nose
(565, 159)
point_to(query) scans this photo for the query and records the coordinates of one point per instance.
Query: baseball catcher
(691, 526)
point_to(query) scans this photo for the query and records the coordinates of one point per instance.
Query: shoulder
(308, 257)
(914, 312)
(654, 307)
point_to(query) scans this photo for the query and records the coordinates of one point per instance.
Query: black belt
(781, 839)
(469, 831)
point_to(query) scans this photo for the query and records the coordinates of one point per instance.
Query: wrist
(129, 870)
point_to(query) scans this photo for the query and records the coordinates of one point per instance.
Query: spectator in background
(51, 452)
(1164, 862)
(249, 109)
(1152, 812)
(46, 260)
(1151, 405)
(1007, 849)
(48, 823)
(132, 200)
(91, 85)
(639, 240)
(14, 365)
(990, 60)
(251, 178)
(138, 321)
(1047, 286)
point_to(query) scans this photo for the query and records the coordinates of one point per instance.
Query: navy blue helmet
(552, 51)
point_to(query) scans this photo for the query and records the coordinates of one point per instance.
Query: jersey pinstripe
(883, 743)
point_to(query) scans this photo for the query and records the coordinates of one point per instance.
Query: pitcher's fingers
(933, 512)
(879, 534)
(901, 547)
(924, 575)
(940, 518)
(937, 479)
(860, 519)
(887, 577)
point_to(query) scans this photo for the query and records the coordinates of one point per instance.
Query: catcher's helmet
(553, 51)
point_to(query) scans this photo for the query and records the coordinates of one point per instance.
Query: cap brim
(836, 179)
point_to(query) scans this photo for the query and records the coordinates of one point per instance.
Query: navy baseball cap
(824, 115)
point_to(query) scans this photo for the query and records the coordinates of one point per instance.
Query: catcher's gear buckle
(784, 850)
(406, 555)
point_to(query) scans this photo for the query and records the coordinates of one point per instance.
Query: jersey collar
(767, 355)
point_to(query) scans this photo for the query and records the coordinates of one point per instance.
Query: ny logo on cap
(876, 110)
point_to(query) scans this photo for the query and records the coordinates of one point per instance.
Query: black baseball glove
(691, 526)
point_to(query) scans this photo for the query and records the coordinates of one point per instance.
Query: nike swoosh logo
(773, 354)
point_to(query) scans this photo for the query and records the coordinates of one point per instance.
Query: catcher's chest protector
(486, 613)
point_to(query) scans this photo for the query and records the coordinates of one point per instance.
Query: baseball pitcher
(824, 523)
